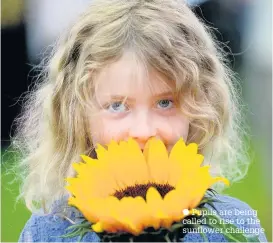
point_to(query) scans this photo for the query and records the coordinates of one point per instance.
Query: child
(141, 69)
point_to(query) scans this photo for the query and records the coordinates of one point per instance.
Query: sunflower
(127, 190)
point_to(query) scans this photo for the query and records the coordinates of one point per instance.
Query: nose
(142, 128)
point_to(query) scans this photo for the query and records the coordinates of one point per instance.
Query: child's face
(136, 106)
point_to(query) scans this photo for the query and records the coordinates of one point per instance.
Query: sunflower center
(141, 190)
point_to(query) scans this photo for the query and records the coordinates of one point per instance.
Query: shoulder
(231, 207)
(234, 211)
(241, 213)
(49, 228)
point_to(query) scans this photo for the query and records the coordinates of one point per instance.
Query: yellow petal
(89, 160)
(155, 205)
(104, 210)
(219, 179)
(138, 162)
(142, 213)
(76, 188)
(78, 167)
(192, 148)
(93, 181)
(174, 204)
(132, 165)
(133, 221)
(157, 158)
(101, 152)
(175, 161)
(184, 161)
(88, 212)
(98, 227)
(204, 181)
(126, 217)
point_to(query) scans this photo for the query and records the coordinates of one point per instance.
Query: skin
(130, 103)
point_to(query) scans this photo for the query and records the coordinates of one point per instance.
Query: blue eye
(165, 104)
(117, 107)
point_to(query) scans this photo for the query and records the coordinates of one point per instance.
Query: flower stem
(167, 238)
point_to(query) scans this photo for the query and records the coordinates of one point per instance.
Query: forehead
(129, 77)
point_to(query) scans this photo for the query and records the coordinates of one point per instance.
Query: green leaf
(253, 238)
(77, 230)
(176, 226)
(71, 234)
(82, 234)
(167, 238)
(80, 225)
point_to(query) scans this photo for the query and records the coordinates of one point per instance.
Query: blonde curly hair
(165, 35)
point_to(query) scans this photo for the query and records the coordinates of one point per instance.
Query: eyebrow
(120, 97)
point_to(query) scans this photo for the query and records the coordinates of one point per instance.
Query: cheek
(171, 128)
(105, 129)
(183, 125)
